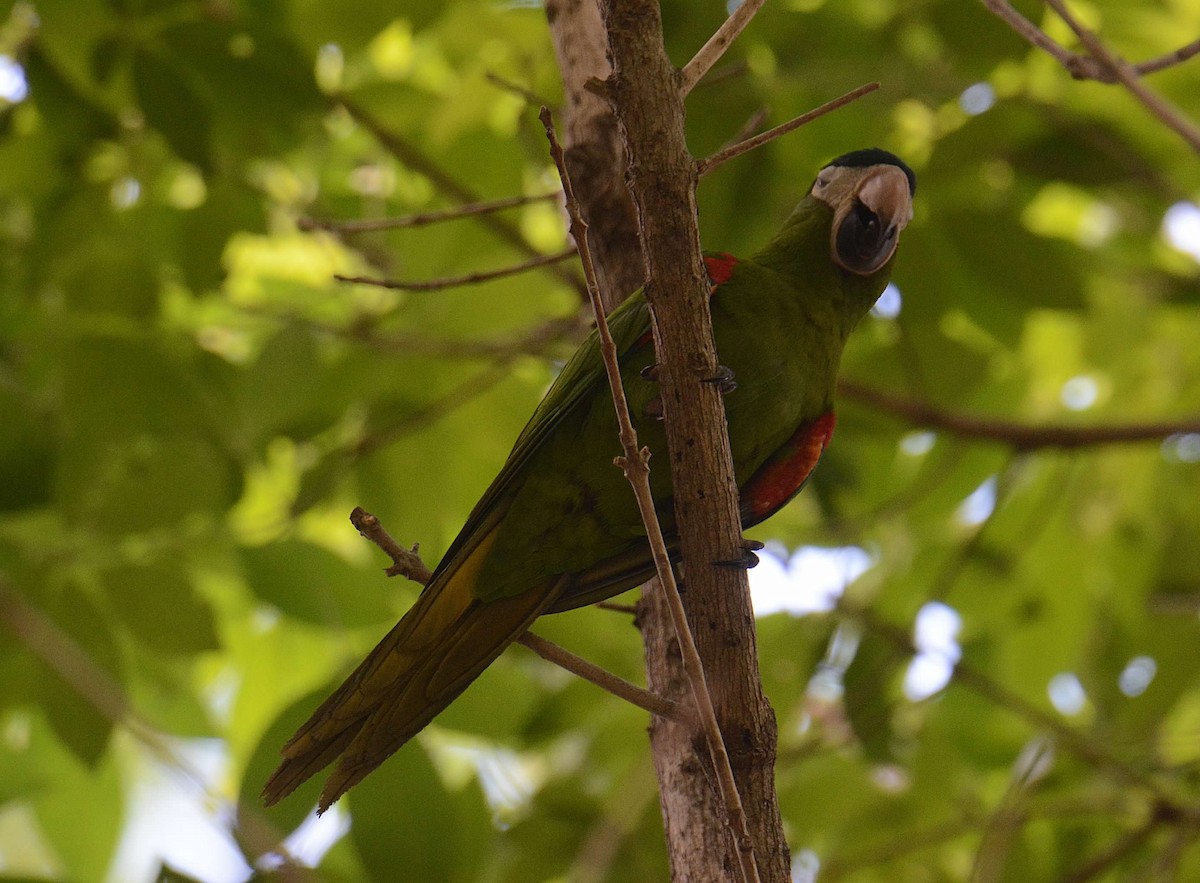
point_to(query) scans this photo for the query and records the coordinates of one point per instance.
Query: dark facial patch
(861, 240)
(875, 156)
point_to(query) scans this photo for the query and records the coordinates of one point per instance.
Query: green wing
(579, 382)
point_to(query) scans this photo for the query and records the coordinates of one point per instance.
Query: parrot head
(870, 192)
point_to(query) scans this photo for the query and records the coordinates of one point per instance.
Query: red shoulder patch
(785, 472)
(720, 267)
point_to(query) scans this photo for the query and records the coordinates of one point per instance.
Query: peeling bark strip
(594, 153)
(646, 98)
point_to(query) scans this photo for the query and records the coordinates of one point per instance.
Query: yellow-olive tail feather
(442, 644)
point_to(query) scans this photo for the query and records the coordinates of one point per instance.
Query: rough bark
(643, 89)
(594, 152)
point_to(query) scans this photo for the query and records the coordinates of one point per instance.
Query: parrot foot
(723, 379)
(650, 372)
(747, 559)
(654, 408)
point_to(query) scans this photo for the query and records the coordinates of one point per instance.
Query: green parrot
(559, 527)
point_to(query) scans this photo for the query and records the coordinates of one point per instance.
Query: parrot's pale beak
(868, 221)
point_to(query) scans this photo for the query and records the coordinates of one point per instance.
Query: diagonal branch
(415, 159)
(60, 653)
(706, 165)
(1020, 436)
(421, 219)
(1167, 113)
(1105, 66)
(710, 53)
(457, 281)
(1083, 67)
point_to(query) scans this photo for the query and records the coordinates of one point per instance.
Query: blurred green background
(190, 406)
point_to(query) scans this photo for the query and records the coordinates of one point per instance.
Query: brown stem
(457, 281)
(1168, 114)
(473, 209)
(412, 157)
(1020, 436)
(704, 166)
(606, 680)
(710, 53)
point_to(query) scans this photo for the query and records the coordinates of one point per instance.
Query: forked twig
(635, 464)
(1167, 114)
(1103, 65)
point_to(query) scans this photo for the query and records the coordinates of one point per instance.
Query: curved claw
(650, 372)
(724, 380)
(747, 559)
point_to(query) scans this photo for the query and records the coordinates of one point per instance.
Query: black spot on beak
(863, 242)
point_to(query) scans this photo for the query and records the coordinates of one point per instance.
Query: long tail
(442, 644)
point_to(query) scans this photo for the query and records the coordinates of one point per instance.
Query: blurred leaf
(159, 605)
(869, 690)
(405, 817)
(315, 585)
(174, 107)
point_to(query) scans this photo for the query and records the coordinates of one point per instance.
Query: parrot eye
(861, 242)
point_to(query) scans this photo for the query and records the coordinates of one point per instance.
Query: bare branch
(1167, 113)
(1104, 65)
(408, 564)
(405, 562)
(1019, 436)
(368, 225)
(606, 680)
(1083, 67)
(1091, 750)
(710, 53)
(516, 88)
(704, 166)
(405, 151)
(635, 465)
(456, 281)
(1169, 59)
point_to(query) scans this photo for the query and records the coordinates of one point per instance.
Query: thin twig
(635, 464)
(1019, 436)
(1083, 67)
(408, 564)
(606, 680)
(405, 151)
(1090, 750)
(710, 53)
(456, 281)
(516, 88)
(706, 165)
(472, 209)
(753, 123)
(1167, 113)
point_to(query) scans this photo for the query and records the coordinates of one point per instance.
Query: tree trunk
(642, 87)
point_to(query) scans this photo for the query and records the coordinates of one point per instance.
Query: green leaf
(315, 585)
(870, 685)
(161, 608)
(403, 816)
(174, 107)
